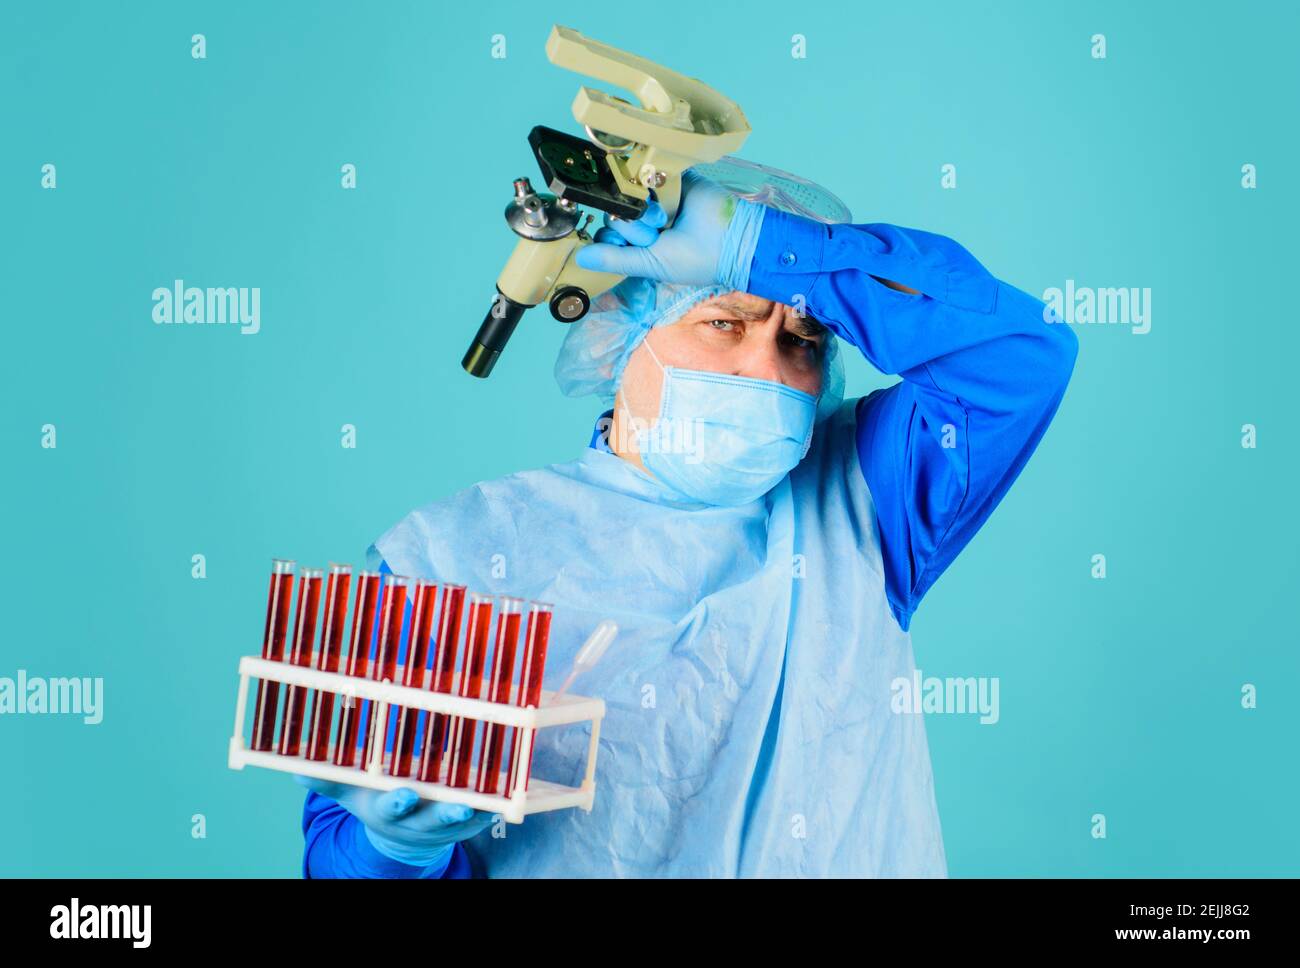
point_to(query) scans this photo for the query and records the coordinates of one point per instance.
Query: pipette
(588, 655)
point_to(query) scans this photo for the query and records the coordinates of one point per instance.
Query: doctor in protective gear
(761, 542)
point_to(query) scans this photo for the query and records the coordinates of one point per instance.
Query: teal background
(1118, 696)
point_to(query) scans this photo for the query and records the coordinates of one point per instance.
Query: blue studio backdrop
(1133, 597)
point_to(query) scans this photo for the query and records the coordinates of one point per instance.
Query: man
(761, 545)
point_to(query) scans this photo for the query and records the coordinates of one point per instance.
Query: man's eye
(725, 325)
(794, 339)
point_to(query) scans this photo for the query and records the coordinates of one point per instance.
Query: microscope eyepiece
(498, 326)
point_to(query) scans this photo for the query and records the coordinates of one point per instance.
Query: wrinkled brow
(807, 326)
(740, 311)
(804, 325)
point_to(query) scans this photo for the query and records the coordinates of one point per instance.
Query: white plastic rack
(541, 795)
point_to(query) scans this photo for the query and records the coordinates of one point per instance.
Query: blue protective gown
(749, 730)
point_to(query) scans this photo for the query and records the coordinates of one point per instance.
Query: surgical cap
(597, 347)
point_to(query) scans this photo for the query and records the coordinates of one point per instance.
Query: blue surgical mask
(724, 440)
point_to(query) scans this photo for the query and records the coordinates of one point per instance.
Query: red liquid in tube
(363, 630)
(461, 739)
(391, 613)
(327, 659)
(503, 670)
(277, 623)
(417, 656)
(304, 638)
(441, 679)
(536, 638)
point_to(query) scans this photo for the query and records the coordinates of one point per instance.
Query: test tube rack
(533, 795)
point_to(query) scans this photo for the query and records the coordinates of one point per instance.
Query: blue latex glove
(711, 242)
(400, 825)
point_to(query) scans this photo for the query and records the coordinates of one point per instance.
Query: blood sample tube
(536, 637)
(441, 679)
(461, 739)
(392, 610)
(417, 656)
(277, 623)
(304, 639)
(327, 659)
(363, 632)
(509, 614)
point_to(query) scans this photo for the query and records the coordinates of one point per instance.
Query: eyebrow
(807, 326)
(749, 315)
(804, 325)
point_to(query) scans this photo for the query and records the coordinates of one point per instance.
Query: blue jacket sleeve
(982, 375)
(338, 847)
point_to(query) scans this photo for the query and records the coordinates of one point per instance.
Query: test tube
(441, 679)
(461, 739)
(417, 656)
(304, 638)
(327, 659)
(392, 610)
(363, 633)
(536, 637)
(277, 623)
(502, 675)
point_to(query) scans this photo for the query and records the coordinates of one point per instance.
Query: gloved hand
(705, 246)
(400, 825)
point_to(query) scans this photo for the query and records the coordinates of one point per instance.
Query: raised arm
(982, 376)
(982, 372)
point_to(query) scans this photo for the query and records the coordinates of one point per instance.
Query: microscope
(629, 151)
